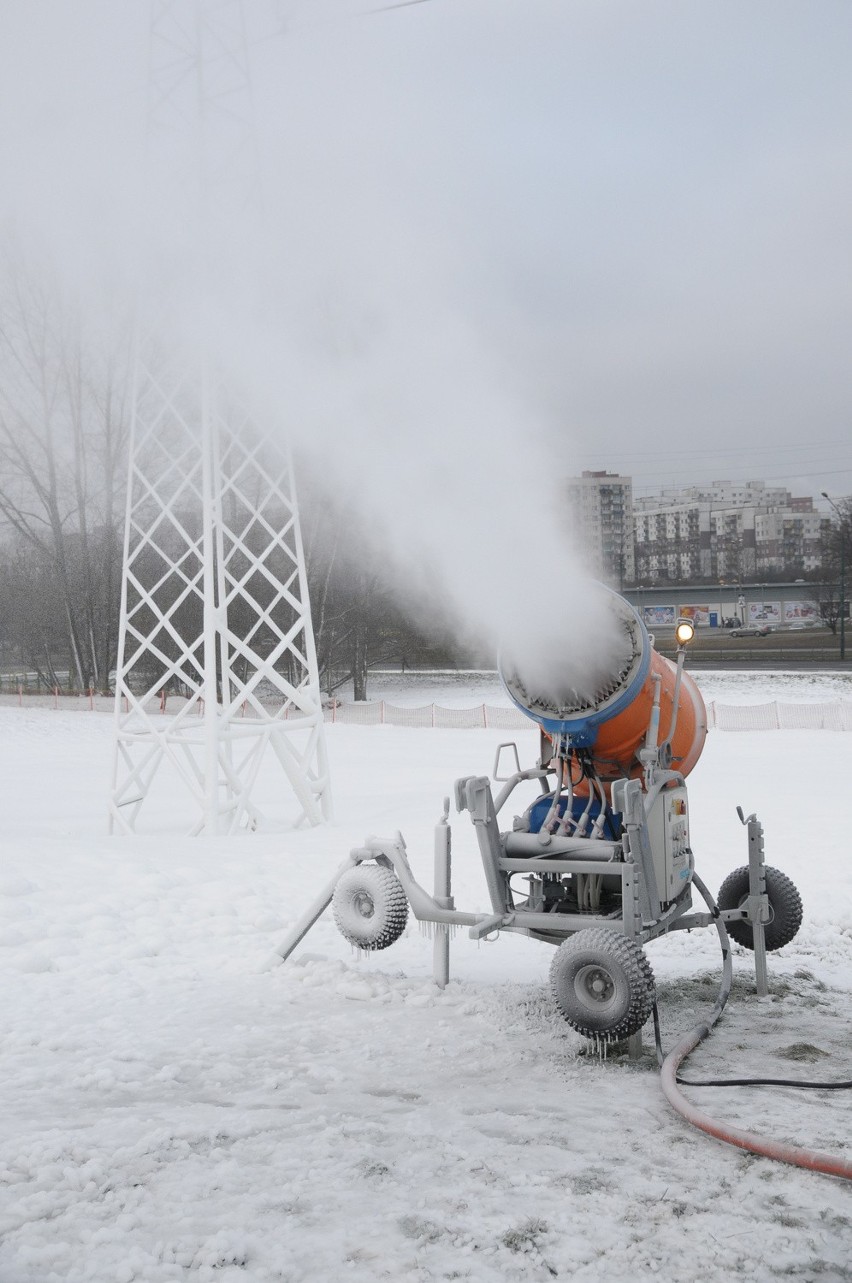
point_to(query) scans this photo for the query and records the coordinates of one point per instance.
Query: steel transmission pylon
(216, 683)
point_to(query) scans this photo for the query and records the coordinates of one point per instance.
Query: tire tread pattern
(613, 950)
(389, 901)
(783, 897)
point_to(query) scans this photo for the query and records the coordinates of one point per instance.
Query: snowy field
(172, 1108)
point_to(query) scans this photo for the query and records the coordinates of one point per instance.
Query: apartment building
(600, 524)
(726, 531)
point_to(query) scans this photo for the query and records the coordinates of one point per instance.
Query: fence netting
(836, 716)
(774, 716)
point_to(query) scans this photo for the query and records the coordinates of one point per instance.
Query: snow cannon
(605, 700)
(599, 861)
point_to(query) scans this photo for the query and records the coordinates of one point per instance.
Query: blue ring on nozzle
(582, 729)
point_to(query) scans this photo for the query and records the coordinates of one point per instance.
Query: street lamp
(842, 576)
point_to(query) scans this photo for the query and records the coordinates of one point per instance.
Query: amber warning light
(684, 631)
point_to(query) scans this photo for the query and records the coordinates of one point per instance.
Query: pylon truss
(202, 136)
(217, 676)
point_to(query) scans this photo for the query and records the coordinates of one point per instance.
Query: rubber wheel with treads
(785, 908)
(369, 906)
(602, 983)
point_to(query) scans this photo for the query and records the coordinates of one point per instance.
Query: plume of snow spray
(353, 320)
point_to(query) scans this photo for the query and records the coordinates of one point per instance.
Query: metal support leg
(473, 794)
(442, 894)
(758, 904)
(301, 928)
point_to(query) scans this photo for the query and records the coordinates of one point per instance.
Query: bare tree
(836, 569)
(62, 443)
(348, 600)
(361, 616)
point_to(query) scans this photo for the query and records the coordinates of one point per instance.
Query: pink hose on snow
(809, 1158)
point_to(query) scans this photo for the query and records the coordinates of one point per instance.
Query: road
(784, 648)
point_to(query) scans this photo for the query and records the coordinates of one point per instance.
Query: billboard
(657, 616)
(806, 612)
(764, 612)
(700, 615)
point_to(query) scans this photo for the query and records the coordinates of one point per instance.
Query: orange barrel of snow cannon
(618, 741)
(598, 694)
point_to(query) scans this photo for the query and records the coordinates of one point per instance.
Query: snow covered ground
(172, 1108)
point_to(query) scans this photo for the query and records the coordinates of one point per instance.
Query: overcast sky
(635, 215)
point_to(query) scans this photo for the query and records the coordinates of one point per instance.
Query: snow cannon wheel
(603, 984)
(369, 906)
(785, 908)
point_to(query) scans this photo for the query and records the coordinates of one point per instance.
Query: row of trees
(362, 617)
(63, 436)
(64, 428)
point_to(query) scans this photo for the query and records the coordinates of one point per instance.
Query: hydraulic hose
(811, 1159)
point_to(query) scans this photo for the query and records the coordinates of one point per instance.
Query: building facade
(600, 525)
(789, 540)
(725, 531)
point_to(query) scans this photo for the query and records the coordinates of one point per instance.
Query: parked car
(751, 630)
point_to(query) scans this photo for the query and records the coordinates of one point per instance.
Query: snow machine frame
(642, 916)
(599, 900)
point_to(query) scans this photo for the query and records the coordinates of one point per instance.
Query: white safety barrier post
(442, 889)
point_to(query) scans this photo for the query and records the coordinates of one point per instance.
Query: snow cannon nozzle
(582, 670)
(594, 681)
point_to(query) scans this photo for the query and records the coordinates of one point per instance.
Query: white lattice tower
(217, 681)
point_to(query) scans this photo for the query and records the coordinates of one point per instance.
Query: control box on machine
(668, 830)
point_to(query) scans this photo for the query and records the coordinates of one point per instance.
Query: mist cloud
(499, 242)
